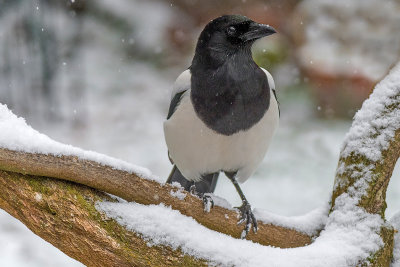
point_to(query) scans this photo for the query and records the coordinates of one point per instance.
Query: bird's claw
(247, 216)
(193, 190)
(208, 202)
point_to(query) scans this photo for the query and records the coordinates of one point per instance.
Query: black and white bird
(223, 112)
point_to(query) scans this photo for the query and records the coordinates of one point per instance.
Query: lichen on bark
(365, 175)
(64, 214)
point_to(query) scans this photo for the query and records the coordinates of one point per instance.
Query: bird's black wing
(181, 85)
(271, 84)
(172, 107)
(279, 109)
(174, 103)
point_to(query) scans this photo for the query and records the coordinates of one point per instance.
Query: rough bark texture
(133, 188)
(63, 213)
(374, 201)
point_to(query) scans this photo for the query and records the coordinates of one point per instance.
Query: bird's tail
(206, 185)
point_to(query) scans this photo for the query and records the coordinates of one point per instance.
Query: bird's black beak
(257, 31)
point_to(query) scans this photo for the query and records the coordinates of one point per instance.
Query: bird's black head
(226, 35)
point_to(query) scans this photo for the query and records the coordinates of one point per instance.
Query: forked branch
(63, 213)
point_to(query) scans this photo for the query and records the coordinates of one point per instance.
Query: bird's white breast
(198, 150)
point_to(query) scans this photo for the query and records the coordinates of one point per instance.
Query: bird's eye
(231, 30)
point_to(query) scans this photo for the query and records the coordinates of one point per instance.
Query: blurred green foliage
(270, 54)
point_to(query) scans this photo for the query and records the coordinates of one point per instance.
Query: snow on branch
(24, 150)
(355, 232)
(368, 157)
(376, 123)
(64, 214)
(372, 147)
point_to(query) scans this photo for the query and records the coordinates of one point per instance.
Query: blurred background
(98, 74)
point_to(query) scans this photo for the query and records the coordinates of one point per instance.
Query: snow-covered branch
(24, 150)
(368, 157)
(64, 214)
(355, 232)
(132, 186)
(372, 147)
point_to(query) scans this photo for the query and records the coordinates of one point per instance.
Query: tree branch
(131, 187)
(369, 155)
(64, 214)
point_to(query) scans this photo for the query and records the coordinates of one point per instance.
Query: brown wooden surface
(63, 213)
(133, 188)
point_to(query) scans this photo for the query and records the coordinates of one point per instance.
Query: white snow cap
(350, 236)
(373, 128)
(309, 223)
(16, 135)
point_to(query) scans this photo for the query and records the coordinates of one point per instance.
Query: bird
(223, 112)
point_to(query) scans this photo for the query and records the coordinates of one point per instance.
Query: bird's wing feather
(181, 85)
(271, 83)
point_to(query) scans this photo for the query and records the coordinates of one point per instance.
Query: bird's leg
(208, 202)
(193, 190)
(246, 215)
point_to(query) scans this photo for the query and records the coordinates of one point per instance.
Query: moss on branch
(64, 214)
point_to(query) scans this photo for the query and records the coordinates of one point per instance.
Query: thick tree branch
(351, 169)
(361, 170)
(64, 214)
(133, 188)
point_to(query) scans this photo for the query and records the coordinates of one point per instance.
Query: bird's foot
(247, 216)
(193, 190)
(208, 202)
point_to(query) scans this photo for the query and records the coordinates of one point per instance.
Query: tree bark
(64, 214)
(355, 166)
(131, 187)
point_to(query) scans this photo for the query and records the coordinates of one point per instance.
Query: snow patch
(374, 126)
(178, 194)
(17, 135)
(350, 235)
(310, 223)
